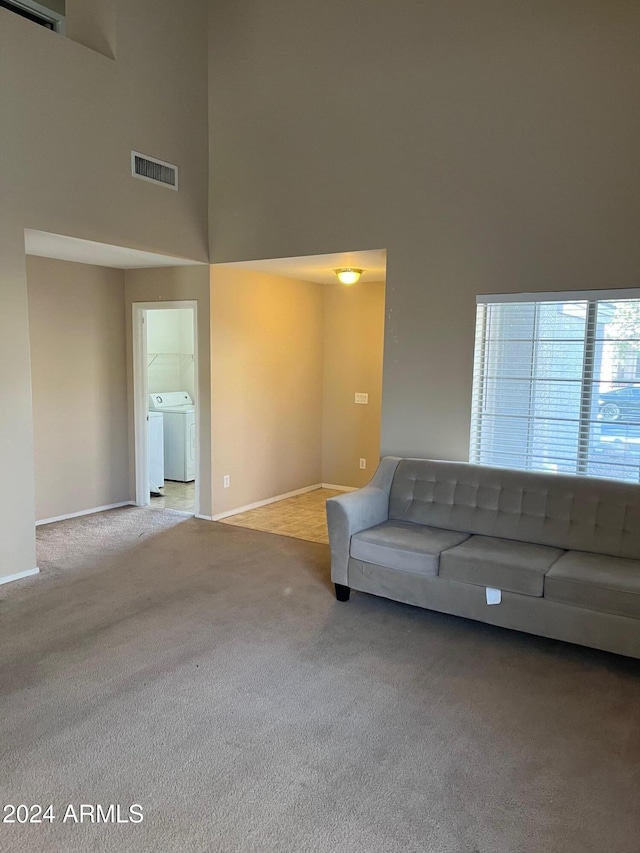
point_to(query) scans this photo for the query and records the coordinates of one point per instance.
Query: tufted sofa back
(564, 511)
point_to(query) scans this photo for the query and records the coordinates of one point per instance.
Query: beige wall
(353, 332)
(266, 371)
(70, 118)
(56, 5)
(88, 22)
(489, 147)
(169, 284)
(93, 23)
(17, 504)
(78, 368)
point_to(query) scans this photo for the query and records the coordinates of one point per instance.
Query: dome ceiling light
(348, 275)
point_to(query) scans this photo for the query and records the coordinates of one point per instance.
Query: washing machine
(179, 422)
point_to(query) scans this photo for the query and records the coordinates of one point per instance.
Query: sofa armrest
(355, 511)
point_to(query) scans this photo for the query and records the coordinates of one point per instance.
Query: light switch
(361, 398)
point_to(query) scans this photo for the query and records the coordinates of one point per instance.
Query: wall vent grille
(156, 171)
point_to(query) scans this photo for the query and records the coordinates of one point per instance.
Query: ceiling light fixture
(348, 275)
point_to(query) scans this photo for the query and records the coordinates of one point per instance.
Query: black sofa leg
(342, 592)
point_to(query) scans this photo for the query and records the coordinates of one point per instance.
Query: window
(49, 13)
(556, 383)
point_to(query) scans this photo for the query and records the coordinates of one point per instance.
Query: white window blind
(556, 384)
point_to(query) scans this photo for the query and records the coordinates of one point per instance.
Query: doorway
(296, 372)
(166, 405)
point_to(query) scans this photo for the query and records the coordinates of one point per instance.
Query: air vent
(156, 171)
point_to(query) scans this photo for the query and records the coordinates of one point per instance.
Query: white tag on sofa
(494, 596)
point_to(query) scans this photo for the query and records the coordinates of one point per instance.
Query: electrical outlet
(363, 464)
(361, 398)
(226, 481)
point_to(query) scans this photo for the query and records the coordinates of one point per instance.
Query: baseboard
(339, 488)
(20, 575)
(84, 512)
(203, 517)
(220, 516)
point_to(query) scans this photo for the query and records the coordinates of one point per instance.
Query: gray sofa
(560, 553)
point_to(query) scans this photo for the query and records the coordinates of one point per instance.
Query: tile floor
(180, 496)
(302, 517)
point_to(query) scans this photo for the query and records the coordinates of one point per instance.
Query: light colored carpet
(206, 672)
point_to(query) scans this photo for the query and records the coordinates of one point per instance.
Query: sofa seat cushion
(405, 546)
(500, 563)
(597, 582)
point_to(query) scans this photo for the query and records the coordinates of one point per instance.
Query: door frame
(141, 395)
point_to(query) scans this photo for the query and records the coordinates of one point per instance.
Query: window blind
(556, 384)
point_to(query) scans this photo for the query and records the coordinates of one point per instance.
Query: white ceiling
(320, 268)
(63, 248)
(316, 268)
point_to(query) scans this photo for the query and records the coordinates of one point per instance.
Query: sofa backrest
(564, 511)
